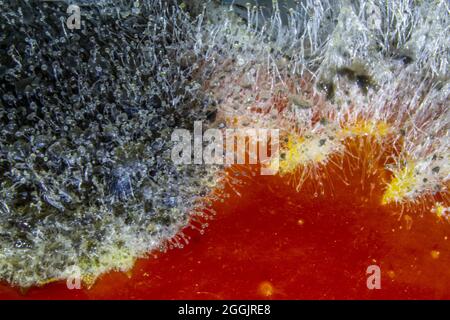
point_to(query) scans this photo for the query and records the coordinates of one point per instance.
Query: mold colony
(363, 113)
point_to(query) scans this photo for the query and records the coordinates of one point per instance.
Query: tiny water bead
(266, 289)
(435, 254)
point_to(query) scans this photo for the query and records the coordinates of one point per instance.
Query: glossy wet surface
(274, 243)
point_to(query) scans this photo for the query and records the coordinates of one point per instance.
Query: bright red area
(274, 243)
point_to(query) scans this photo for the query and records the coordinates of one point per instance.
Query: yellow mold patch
(316, 148)
(305, 150)
(401, 185)
(362, 128)
(117, 259)
(48, 281)
(441, 211)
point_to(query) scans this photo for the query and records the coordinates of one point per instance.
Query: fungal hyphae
(86, 177)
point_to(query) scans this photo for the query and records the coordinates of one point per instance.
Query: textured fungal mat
(86, 176)
(86, 115)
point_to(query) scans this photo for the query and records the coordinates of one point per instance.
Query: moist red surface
(272, 242)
